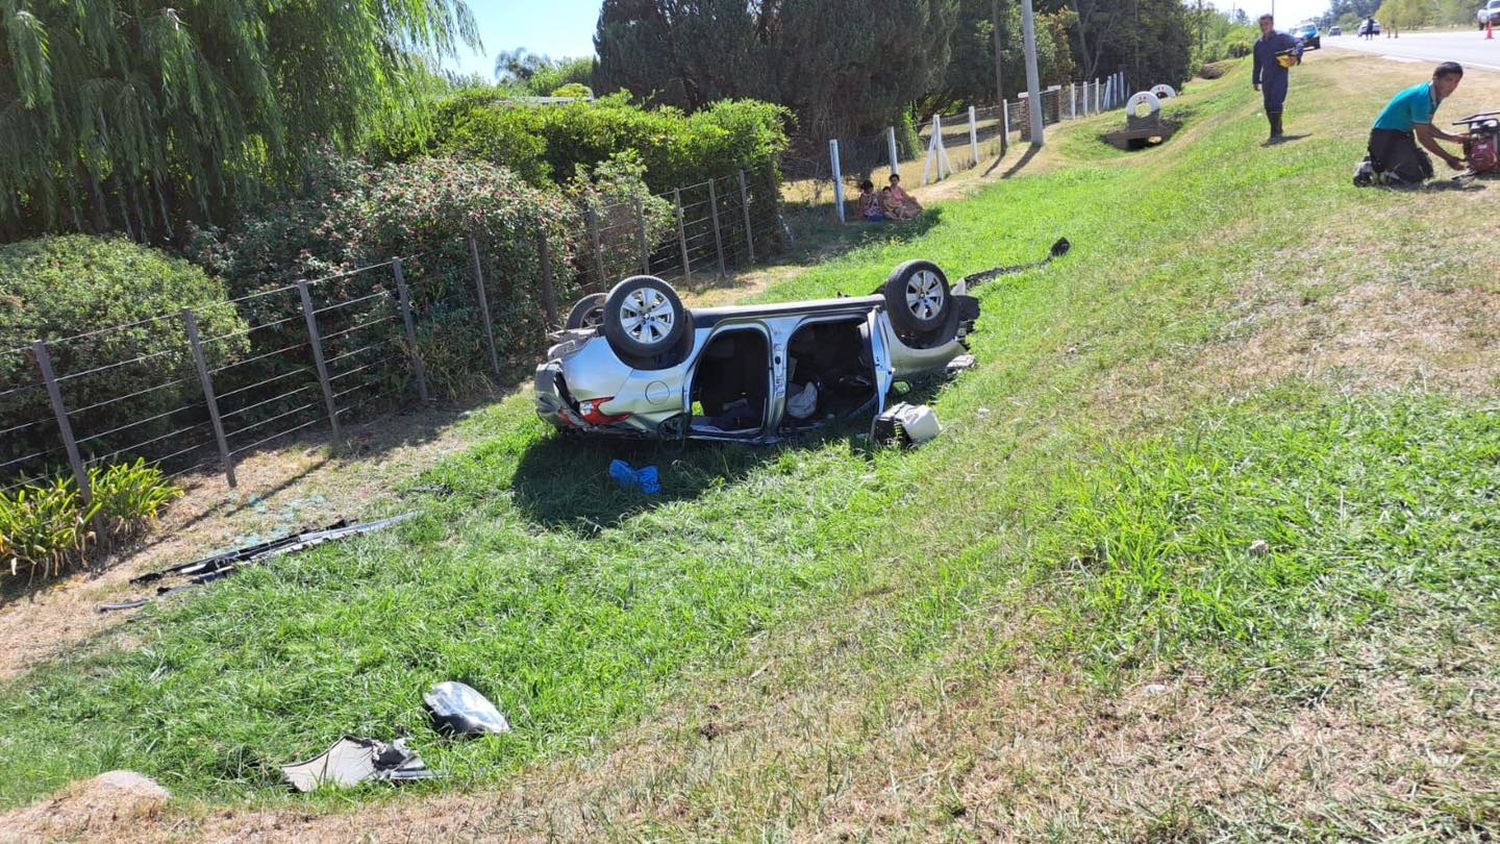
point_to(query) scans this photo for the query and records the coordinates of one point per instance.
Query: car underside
(636, 363)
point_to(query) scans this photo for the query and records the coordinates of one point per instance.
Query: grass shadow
(1025, 159)
(562, 481)
(821, 237)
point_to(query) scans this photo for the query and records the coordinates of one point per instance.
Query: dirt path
(280, 490)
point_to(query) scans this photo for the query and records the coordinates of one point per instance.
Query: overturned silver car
(636, 362)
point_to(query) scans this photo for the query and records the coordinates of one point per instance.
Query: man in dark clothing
(1394, 158)
(1270, 74)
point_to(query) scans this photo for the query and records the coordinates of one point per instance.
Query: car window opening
(830, 374)
(732, 384)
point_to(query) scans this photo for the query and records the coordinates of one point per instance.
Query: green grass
(1125, 525)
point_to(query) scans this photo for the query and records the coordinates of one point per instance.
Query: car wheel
(643, 318)
(588, 312)
(918, 297)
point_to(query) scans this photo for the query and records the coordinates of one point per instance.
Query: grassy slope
(1086, 516)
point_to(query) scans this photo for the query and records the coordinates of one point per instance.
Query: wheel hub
(646, 316)
(924, 295)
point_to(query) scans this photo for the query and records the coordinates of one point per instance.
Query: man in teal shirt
(1394, 158)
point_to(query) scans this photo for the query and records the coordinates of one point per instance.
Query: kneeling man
(1394, 158)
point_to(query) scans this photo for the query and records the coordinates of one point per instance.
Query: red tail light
(591, 413)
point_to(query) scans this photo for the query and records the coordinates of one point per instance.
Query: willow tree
(135, 114)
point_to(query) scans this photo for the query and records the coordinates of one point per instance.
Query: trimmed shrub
(423, 210)
(554, 142)
(62, 287)
(428, 208)
(576, 90)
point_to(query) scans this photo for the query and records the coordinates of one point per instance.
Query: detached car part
(458, 709)
(351, 761)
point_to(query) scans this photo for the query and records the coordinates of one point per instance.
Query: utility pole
(999, 83)
(1033, 80)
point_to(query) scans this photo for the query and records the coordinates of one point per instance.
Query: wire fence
(224, 379)
(943, 145)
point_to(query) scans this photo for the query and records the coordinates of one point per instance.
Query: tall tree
(843, 66)
(1149, 39)
(135, 114)
(970, 77)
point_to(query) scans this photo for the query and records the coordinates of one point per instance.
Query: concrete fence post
(973, 136)
(838, 179)
(890, 142)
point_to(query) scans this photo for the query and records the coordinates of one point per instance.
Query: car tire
(918, 297)
(588, 312)
(644, 319)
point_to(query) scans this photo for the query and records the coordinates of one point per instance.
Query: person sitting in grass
(909, 205)
(894, 210)
(1394, 158)
(869, 203)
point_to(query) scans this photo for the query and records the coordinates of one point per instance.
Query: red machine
(1482, 149)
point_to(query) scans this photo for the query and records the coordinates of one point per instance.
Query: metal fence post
(973, 136)
(713, 209)
(890, 142)
(549, 293)
(404, 297)
(1004, 126)
(745, 205)
(484, 305)
(838, 178)
(593, 220)
(190, 320)
(687, 268)
(64, 427)
(316, 342)
(640, 216)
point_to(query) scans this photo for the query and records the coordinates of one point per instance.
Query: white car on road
(1489, 13)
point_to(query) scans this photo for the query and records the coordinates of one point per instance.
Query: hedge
(58, 287)
(555, 142)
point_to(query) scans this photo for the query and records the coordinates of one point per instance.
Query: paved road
(1468, 48)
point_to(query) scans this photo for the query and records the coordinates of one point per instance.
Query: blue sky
(557, 28)
(561, 28)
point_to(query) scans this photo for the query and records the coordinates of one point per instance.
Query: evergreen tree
(138, 114)
(845, 67)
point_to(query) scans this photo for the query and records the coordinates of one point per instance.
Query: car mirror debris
(460, 710)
